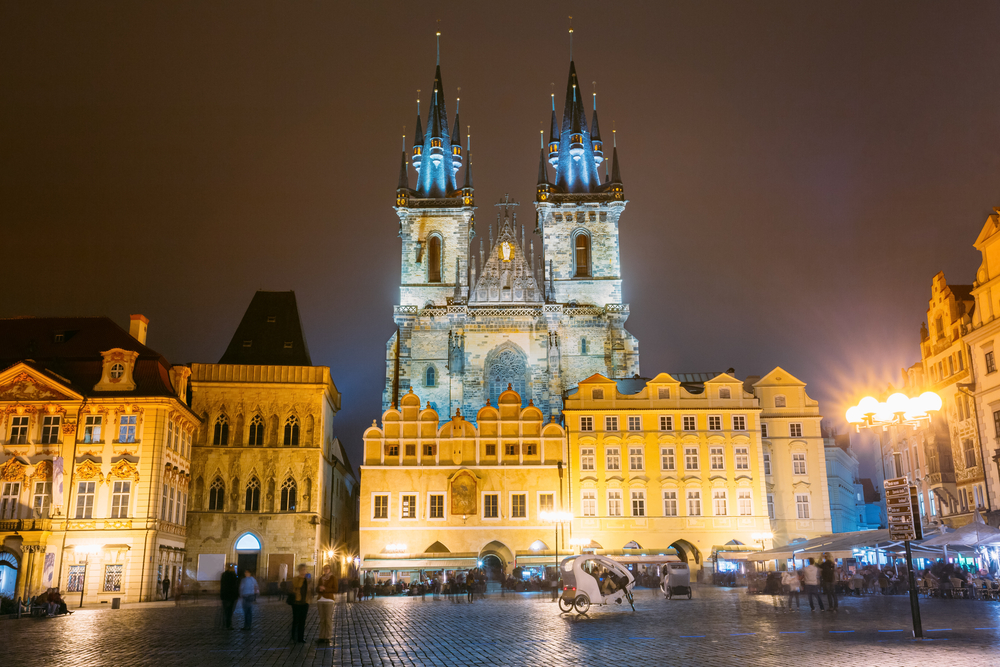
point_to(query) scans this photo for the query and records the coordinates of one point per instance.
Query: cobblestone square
(718, 627)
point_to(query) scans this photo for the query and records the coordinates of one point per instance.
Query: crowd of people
(946, 580)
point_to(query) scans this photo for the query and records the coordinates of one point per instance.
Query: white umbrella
(968, 535)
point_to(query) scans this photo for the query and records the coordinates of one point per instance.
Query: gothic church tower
(474, 321)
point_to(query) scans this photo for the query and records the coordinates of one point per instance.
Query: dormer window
(724, 392)
(117, 371)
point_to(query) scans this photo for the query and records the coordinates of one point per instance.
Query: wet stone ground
(718, 627)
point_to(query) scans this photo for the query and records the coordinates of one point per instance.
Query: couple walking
(298, 597)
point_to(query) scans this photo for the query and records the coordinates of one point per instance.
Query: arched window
(430, 377)
(434, 259)
(582, 255)
(583, 346)
(506, 369)
(288, 495)
(252, 496)
(221, 433)
(217, 496)
(256, 431)
(292, 431)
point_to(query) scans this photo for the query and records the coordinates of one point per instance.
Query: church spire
(404, 177)
(554, 136)
(595, 136)
(576, 169)
(437, 170)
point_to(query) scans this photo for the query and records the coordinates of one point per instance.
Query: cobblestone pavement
(717, 627)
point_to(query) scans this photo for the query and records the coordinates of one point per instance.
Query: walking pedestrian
(829, 577)
(229, 591)
(791, 579)
(326, 591)
(810, 577)
(166, 587)
(298, 597)
(248, 596)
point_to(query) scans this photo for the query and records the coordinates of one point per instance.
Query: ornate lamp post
(899, 410)
(86, 550)
(556, 519)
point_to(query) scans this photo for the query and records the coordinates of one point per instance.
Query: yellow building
(679, 461)
(94, 473)
(448, 496)
(273, 487)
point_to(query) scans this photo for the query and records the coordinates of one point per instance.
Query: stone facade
(471, 323)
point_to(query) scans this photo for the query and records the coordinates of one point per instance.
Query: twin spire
(575, 150)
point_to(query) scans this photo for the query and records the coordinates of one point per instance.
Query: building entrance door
(246, 561)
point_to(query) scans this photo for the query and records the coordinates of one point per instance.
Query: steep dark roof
(871, 494)
(843, 441)
(270, 333)
(70, 348)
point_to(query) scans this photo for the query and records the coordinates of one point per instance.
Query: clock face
(506, 251)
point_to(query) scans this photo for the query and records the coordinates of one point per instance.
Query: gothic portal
(473, 320)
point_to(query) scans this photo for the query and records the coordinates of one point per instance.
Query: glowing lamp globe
(854, 415)
(898, 403)
(868, 405)
(883, 413)
(930, 401)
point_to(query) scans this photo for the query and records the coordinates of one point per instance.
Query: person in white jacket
(791, 579)
(810, 577)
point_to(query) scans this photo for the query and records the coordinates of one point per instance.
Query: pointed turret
(418, 142)
(595, 137)
(554, 137)
(543, 176)
(404, 176)
(456, 144)
(616, 174)
(576, 169)
(437, 171)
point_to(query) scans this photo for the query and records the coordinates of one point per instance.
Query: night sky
(797, 172)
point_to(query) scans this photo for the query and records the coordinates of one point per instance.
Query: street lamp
(898, 410)
(85, 550)
(762, 537)
(580, 542)
(556, 519)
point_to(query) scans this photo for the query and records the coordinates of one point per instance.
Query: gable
(779, 377)
(23, 383)
(988, 231)
(506, 276)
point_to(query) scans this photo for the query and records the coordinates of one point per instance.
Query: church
(475, 319)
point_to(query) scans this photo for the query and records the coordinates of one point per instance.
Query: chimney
(137, 328)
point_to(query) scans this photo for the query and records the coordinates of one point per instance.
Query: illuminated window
(126, 428)
(613, 456)
(744, 502)
(587, 458)
(635, 458)
(120, 492)
(802, 505)
(518, 506)
(719, 503)
(614, 503)
(742, 455)
(10, 500)
(408, 506)
(716, 458)
(589, 503)
(117, 371)
(546, 502)
(582, 255)
(667, 458)
(85, 492)
(381, 507)
(799, 463)
(92, 429)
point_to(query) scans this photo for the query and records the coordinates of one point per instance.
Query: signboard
(903, 510)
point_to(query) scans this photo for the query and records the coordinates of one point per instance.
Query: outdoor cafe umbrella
(969, 535)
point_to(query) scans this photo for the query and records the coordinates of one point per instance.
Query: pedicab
(676, 580)
(594, 580)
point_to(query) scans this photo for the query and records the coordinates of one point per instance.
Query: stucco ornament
(124, 470)
(89, 470)
(11, 471)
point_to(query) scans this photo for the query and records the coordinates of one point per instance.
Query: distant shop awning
(640, 556)
(421, 561)
(733, 551)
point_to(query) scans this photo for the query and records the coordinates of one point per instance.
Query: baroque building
(273, 488)
(472, 321)
(454, 495)
(695, 462)
(94, 474)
